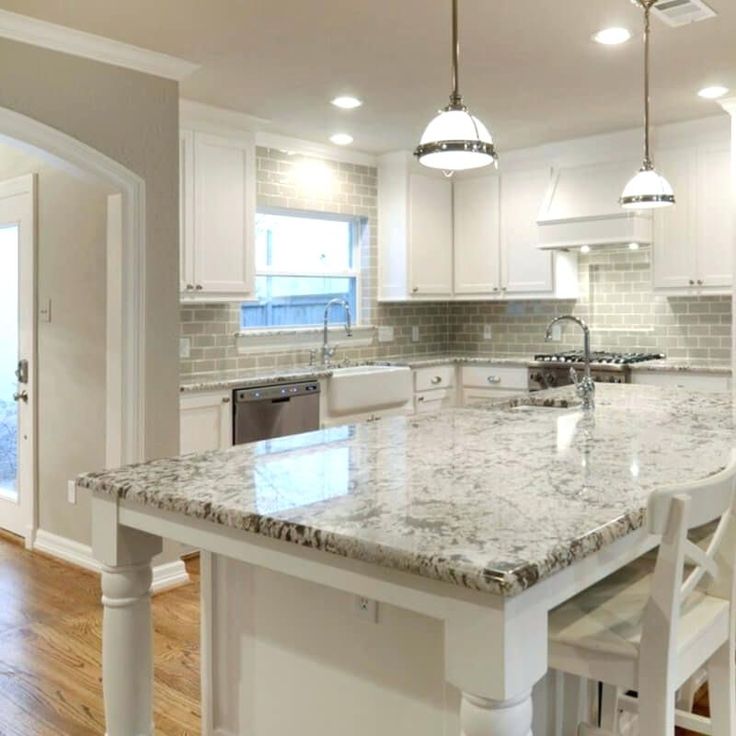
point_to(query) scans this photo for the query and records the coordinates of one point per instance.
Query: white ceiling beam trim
(25, 29)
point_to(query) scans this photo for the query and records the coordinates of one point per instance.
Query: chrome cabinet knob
(691, 282)
(198, 287)
(225, 399)
(415, 290)
(190, 287)
(493, 379)
(700, 282)
(436, 380)
(21, 396)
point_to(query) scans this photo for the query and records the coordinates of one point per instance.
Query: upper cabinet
(217, 216)
(414, 232)
(473, 237)
(693, 240)
(526, 270)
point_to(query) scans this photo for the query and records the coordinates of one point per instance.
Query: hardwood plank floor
(50, 644)
(50, 629)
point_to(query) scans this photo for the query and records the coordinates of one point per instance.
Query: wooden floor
(50, 624)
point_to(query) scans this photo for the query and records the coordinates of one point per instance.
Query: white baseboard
(165, 576)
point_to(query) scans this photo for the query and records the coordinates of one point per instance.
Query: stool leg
(721, 690)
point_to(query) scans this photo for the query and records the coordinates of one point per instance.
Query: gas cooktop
(600, 357)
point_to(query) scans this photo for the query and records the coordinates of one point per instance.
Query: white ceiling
(529, 67)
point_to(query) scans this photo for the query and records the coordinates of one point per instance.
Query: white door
(430, 236)
(17, 356)
(526, 268)
(224, 225)
(477, 233)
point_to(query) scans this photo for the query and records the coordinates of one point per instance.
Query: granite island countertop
(493, 499)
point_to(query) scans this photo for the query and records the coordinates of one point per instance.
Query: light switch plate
(487, 332)
(366, 609)
(185, 346)
(415, 334)
(71, 491)
(44, 311)
(556, 333)
(385, 334)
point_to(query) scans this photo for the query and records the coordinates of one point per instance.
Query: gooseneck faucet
(327, 351)
(585, 386)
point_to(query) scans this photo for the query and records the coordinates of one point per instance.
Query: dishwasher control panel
(265, 393)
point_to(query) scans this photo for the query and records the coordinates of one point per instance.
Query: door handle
(21, 396)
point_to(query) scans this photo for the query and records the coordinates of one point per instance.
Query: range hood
(581, 208)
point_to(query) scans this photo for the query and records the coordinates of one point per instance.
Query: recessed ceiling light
(612, 36)
(341, 139)
(713, 93)
(347, 103)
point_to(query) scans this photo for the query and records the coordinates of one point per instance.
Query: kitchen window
(303, 259)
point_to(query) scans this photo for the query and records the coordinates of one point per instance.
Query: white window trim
(355, 272)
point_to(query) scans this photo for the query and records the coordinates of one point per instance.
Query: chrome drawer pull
(494, 379)
(436, 380)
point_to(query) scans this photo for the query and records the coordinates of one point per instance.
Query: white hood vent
(582, 208)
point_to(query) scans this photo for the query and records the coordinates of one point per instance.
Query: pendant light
(455, 140)
(648, 189)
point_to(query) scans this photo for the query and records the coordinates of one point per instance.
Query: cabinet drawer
(441, 376)
(480, 396)
(495, 376)
(429, 401)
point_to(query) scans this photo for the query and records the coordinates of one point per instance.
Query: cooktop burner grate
(600, 357)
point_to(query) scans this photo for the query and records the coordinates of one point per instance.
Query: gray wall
(71, 222)
(133, 119)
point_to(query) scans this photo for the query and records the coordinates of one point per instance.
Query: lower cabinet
(205, 422)
(715, 382)
(481, 383)
(434, 388)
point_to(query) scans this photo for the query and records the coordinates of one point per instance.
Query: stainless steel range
(549, 370)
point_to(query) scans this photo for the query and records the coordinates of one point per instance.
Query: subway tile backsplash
(616, 297)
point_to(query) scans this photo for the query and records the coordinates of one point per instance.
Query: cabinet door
(205, 422)
(430, 236)
(224, 210)
(186, 211)
(525, 268)
(477, 236)
(714, 218)
(674, 263)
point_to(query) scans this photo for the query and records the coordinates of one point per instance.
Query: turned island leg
(484, 717)
(127, 629)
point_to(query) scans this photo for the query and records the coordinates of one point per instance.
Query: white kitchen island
(466, 526)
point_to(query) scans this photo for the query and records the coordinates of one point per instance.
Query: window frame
(357, 225)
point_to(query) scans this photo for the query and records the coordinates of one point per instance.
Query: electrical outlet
(185, 347)
(366, 609)
(487, 332)
(71, 491)
(385, 334)
(44, 311)
(415, 334)
(556, 333)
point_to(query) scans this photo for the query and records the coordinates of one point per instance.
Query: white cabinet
(434, 388)
(481, 383)
(693, 240)
(205, 421)
(477, 236)
(217, 216)
(525, 268)
(414, 232)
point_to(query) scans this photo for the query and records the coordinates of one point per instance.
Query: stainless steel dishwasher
(263, 412)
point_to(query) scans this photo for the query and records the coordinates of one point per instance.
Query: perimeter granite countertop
(492, 499)
(263, 376)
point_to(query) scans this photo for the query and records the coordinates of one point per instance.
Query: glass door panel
(9, 256)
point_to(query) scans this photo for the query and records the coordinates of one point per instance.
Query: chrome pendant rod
(455, 98)
(647, 5)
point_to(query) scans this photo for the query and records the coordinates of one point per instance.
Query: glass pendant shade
(647, 190)
(455, 140)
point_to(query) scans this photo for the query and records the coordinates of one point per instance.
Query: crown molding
(216, 119)
(314, 150)
(729, 105)
(25, 29)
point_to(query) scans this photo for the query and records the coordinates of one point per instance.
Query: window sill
(266, 340)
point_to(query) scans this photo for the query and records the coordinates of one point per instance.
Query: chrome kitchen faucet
(327, 351)
(585, 386)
